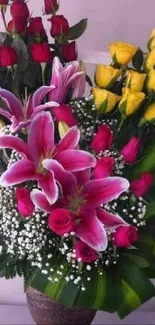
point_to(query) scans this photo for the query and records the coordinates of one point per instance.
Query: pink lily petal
(15, 104)
(5, 113)
(16, 125)
(19, 172)
(49, 187)
(56, 80)
(83, 176)
(102, 191)
(91, 231)
(66, 180)
(75, 160)
(39, 200)
(74, 65)
(40, 94)
(110, 220)
(41, 108)
(79, 87)
(41, 135)
(69, 141)
(11, 142)
(73, 78)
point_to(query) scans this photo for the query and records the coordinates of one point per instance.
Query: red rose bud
(8, 56)
(19, 9)
(69, 51)
(36, 27)
(131, 150)
(84, 253)
(63, 113)
(17, 26)
(25, 205)
(59, 26)
(4, 3)
(41, 52)
(104, 167)
(61, 221)
(51, 6)
(125, 236)
(103, 139)
(141, 186)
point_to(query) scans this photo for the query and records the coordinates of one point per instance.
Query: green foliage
(137, 60)
(77, 30)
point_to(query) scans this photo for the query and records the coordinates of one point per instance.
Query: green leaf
(19, 45)
(77, 30)
(3, 37)
(150, 212)
(148, 162)
(137, 60)
(135, 288)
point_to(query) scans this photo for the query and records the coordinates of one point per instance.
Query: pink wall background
(108, 20)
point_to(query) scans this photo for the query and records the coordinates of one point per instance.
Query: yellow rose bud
(121, 52)
(63, 129)
(150, 60)
(106, 76)
(151, 80)
(151, 42)
(135, 81)
(130, 101)
(104, 99)
(149, 115)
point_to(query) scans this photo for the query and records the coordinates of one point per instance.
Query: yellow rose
(150, 60)
(135, 81)
(104, 99)
(106, 76)
(149, 115)
(151, 42)
(130, 101)
(151, 80)
(121, 52)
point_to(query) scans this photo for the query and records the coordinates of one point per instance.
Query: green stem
(121, 124)
(3, 17)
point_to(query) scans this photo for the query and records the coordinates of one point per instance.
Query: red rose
(69, 51)
(17, 26)
(64, 113)
(8, 56)
(104, 167)
(20, 9)
(84, 252)
(131, 150)
(103, 139)
(125, 236)
(141, 186)
(61, 221)
(25, 205)
(41, 52)
(51, 6)
(36, 27)
(59, 26)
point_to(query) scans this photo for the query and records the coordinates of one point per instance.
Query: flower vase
(46, 311)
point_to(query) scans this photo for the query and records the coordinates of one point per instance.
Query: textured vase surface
(46, 311)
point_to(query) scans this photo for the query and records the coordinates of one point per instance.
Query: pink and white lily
(83, 198)
(41, 147)
(20, 114)
(64, 78)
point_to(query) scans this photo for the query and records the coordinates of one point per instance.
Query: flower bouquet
(27, 49)
(77, 187)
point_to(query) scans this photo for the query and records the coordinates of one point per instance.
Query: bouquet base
(46, 311)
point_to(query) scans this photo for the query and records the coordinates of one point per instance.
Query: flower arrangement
(27, 49)
(77, 186)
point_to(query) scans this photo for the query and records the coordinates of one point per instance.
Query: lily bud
(63, 129)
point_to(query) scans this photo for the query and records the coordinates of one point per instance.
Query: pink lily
(41, 146)
(83, 197)
(64, 78)
(21, 115)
